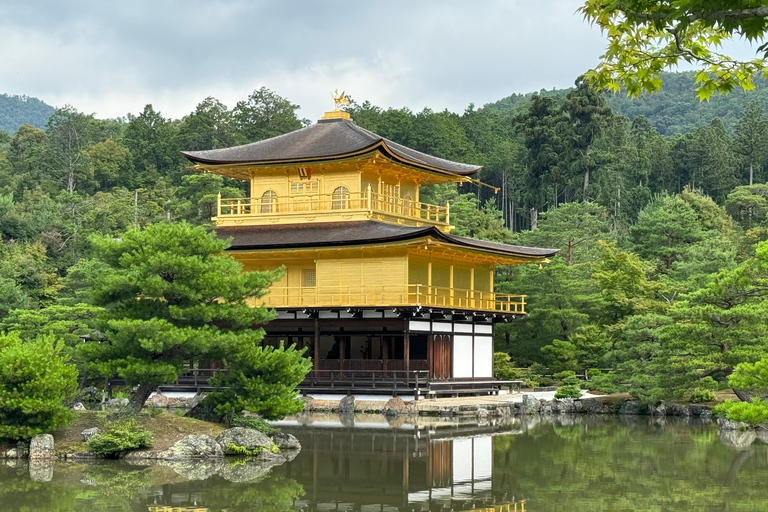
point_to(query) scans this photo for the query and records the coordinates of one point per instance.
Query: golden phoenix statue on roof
(339, 99)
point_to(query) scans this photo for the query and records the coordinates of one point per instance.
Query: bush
(568, 391)
(503, 369)
(35, 381)
(120, 436)
(255, 423)
(234, 449)
(571, 385)
(752, 413)
(261, 380)
(701, 395)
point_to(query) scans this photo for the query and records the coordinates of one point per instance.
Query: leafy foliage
(119, 436)
(648, 36)
(35, 381)
(168, 291)
(752, 413)
(260, 380)
(254, 422)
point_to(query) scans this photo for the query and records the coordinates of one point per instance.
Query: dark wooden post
(407, 350)
(384, 353)
(317, 347)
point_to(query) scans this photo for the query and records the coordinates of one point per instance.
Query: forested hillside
(675, 109)
(663, 266)
(18, 110)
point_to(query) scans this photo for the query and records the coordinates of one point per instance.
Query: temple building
(376, 287)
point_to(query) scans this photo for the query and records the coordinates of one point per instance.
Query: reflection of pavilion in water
(387, 471)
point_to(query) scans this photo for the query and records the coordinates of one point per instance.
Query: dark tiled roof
(326, 140)
(356, 233)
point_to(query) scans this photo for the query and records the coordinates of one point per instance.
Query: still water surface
(364, 464)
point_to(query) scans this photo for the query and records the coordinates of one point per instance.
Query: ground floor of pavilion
(392, 351)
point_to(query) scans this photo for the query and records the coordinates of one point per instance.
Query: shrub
(261, 380)
(120, 436)
(234, 449)
(568, 391)
(701, 395)
(752, 413)
(503, 369)
(255, 423)
(35, 381)
(570, 387)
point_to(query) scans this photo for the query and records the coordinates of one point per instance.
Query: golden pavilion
(376, 288)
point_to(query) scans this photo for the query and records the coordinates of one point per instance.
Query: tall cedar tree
(172, 298)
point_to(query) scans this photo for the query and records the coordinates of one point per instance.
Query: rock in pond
(347, 404)
(286, 441)
(195, 447)
(633, 407)
(394, 407)
(739, 439)
(244, 472)
(530, 404)
(725, 424)
(247, 438)
(272, 459)
(41, 447)
(195, 469)
(41, 470)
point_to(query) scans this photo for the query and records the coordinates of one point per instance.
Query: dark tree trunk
(744, 395)
(140, 396)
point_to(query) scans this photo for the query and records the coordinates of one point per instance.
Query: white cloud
(113, 58)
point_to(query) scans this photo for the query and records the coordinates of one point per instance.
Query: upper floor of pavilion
(331, 171)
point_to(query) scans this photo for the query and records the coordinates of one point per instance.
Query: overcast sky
(112, 58)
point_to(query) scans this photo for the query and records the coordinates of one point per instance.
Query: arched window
(340, 198)
(268, 201)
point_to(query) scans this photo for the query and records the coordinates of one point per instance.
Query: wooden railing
(394, 295)
(334, 203)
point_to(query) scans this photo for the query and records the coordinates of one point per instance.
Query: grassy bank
(166, 428)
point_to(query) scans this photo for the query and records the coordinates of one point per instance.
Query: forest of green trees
(663, 265)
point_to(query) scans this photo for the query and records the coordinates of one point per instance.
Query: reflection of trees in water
(116, 487)
(646, 466)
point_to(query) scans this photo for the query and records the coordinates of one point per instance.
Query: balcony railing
(303, 204)
(394, 295)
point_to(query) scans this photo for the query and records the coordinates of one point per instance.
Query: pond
(365, 464)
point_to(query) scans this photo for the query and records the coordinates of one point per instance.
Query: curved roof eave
(326, 141)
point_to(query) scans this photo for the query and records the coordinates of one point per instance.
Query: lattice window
(305, 187)
(340, 198)
(308, 277)
(268, 201)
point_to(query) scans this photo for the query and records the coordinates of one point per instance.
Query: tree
(172, 299)
(35, 381)
(588, 116)
(547, 135)
(748, 205)
(68, 136)
(574, 228)
(263, 115)
(208, 127)
(751, 140)
(151, 139)
(646, 37)
(262, 381)
(110, 164)
(665, 228)
(198, 195)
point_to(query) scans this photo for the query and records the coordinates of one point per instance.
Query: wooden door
(440, 356)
